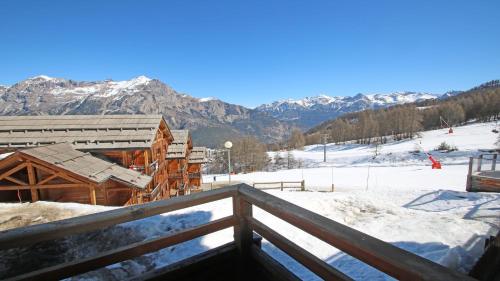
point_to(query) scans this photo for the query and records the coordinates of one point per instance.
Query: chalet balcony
(177, 175)
(196, 175)
(241, 259)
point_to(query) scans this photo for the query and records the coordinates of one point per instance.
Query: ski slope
(395, 197)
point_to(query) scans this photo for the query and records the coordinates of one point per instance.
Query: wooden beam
(62, 175)
(386, 257)
(313, 263)
(124, 159)
(92, 196)
(14, 180)
(10, 159)
(46, 186)
(146, 162)
(13, 170)
(35, 233)
(242, 234)
(49, 178)
(32, 182)
(127, 252)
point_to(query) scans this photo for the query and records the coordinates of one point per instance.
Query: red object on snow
(450, 131)
(435, 164)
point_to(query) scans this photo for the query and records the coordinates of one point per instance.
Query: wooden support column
(125, 159)
(92, 196)
(242, 234)
(32, 182)
(146, 161)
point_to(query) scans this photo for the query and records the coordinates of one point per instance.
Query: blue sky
(253, 52)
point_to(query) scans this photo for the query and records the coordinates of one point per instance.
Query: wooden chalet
(57, 172)
(137, 142)
(195, 160)
(177, 157)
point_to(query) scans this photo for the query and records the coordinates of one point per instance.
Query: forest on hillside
(480, 104)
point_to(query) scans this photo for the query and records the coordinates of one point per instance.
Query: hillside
(211, 121)
(481, 103)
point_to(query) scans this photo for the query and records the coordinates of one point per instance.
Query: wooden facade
(177, 158)
(136, 142)
(61, 174)
(196, 159)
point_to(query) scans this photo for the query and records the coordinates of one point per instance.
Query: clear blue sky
(252, 52)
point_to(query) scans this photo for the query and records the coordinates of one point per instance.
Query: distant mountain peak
(310, 111)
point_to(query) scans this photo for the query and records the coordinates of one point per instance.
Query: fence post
(468, 186)
(479, 162)
(333, 187)
(243, 234)
(494, 163)
(281, 186)
(303, 185)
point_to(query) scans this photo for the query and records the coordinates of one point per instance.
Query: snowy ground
(395, 197)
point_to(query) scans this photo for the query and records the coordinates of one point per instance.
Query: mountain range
(210, 120)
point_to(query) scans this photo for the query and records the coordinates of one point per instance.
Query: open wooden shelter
(60, 173)
(137, 142)
(197, 157)
(177, 157)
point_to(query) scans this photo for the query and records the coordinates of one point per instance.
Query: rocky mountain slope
(210, 120)
(311, 111)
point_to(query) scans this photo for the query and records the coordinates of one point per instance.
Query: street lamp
(228, 145)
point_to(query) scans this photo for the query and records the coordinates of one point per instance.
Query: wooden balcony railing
(381, 255)
(195, 175)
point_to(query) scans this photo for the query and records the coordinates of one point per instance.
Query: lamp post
(228, 145)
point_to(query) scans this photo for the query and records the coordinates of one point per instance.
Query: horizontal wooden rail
(124, 253)
(31, 234)
(313, 263)
(377, 253)
(282, 185)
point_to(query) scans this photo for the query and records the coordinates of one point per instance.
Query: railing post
(281, 186)
(468, 186)
(479, 162)
(494, 162)
(242, 234)
(303, 185)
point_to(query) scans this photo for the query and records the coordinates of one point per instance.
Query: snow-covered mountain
(211, 121)
(311, 111)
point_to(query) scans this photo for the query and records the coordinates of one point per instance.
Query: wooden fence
(281, 185)
(381, 255)
(483, 174)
